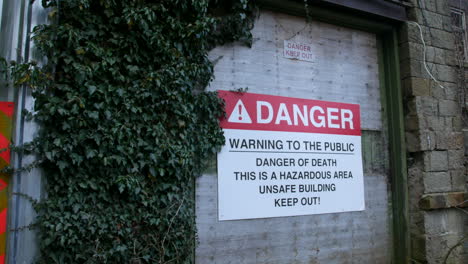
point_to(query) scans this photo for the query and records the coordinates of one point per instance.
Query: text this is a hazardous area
(288, 156)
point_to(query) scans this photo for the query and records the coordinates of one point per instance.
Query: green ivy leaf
(91, 89)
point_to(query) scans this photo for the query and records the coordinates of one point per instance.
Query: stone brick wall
(434, 134)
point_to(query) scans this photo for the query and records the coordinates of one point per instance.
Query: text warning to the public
(288, 156)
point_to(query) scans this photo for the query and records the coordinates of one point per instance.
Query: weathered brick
(438, 246)
(426, 17)
(411, 68)
(412, 142)
(442, 39)
(447, 23)
(442, 141)
(443, 6)
(451, 91)
(404, 50)
(458, 180)
(446, 228)
(456, 159)
(457, 199)
(415, 176)
(416, 68)
(427, 140)
(411, 50)
(450, 58)
(411, 123)
(412, 109)
(442, 73)
(420, 141)
(436, 161)
(426, 105)
(417, 86)
(418, 248)
(430, 5)
(455, 140)
(446, 200)
(436, 123)
(437, 182)
(456, 123)
(465, 136)
(448, 108)
(449, 140)
(441, 222)
(410, 33)
(435, 55)
(437, 90)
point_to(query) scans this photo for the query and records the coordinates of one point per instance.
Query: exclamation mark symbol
(240, 112)
(319, 200)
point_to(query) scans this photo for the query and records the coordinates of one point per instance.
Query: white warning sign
(287, 156)
(298, 51)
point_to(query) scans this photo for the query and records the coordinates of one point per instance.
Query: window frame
(462, 29)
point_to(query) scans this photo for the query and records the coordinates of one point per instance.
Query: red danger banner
(250, 111)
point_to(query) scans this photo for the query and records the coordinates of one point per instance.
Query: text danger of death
(291, 162)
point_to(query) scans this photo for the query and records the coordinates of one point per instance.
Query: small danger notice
(298, 51)
(288, 156)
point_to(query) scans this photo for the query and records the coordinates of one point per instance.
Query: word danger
(297, 46)
(318, 116)
(295, 50)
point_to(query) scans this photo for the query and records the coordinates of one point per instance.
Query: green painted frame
(392, 102)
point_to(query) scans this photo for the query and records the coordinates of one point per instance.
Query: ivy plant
(126, 124)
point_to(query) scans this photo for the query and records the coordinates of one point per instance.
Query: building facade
(404, 62)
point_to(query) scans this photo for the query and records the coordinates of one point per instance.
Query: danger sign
(298, 51)
(288, 156)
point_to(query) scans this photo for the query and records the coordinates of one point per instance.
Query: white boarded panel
(345, 70)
